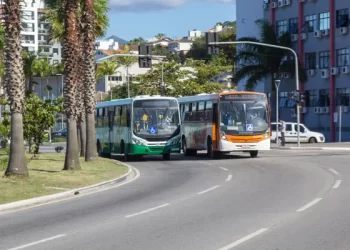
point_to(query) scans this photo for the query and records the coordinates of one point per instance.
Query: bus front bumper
(226, 146)
(155, 150)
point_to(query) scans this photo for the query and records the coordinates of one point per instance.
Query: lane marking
(208, 190)
(244, 239)
(38, 242)
(146, 211)
(229, 177)
(225, 169)
(310, 204)
(333, 171)
(336, 184)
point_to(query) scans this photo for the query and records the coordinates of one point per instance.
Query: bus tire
(184, 148)
(166, 157)
(254, 154)
(210, 150)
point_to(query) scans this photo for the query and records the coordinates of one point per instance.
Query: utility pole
(277, 84)
(271, 46)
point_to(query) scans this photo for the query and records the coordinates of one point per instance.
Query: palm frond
(254, 79)
(267, 31)
(289, 67)
(248, 71)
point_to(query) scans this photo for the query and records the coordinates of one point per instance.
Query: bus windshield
(155, 118)
(243, 114)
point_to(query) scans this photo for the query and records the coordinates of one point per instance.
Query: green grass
(46, 172)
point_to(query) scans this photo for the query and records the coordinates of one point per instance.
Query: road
(284, 199)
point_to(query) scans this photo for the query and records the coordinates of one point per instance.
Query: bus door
(216, 123)
(110, 130)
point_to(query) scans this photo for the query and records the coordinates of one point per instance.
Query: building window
(311, 98)
(342, 57)
(324, 21)
(293, 25)
(342, 96)
(324, 59)
(310, 60)
(281, 27)
(342, 18)
(323, 100)
(310, 23)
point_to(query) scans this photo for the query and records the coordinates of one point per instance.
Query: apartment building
(321, 37)
(35, 31)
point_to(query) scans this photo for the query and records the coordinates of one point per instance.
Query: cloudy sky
(145, 18)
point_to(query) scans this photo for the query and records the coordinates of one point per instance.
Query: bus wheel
(253, 154)
(166, 157)
(184, 147)
(210, 151)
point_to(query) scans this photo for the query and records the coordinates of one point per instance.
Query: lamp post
(277, 84)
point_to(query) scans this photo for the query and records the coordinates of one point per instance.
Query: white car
(291, 134)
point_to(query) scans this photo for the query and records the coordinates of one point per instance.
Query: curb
(17, 205)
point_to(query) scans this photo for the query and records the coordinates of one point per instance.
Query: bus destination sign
(243, 96)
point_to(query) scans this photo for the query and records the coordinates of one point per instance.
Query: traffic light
(212, 37)
(302, 97)
(145, 50)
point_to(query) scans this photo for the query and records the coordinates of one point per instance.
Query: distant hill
(118, 39)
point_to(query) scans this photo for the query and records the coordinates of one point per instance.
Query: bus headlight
(138, 142)
(267, 134)
(223, 135)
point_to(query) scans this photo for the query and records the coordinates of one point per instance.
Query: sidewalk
(314, 146)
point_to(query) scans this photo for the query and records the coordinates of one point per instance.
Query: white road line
(38, 242)
(336, 184)
(146, 211)
(244, 239)
(208, 190)
(229, 177)
(225, 169)
(333, 171)
(309, 204)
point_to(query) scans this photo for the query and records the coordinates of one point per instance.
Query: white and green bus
(142, 125)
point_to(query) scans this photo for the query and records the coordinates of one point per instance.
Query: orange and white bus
(225, 122)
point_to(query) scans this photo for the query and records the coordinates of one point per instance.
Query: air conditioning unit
(343, 30)
(286, 75)
(324, 73)
(311, 72)
(345, 70)
(287, 2)
(280, 3)
(325, 32)
(318, 34)
(294, 37)
(325, 110)
(304, 110)
(303, 36)
(334, 71)
(274, 5)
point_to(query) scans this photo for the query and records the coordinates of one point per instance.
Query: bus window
(208, 105)
(194, 106)
(128, 116)
(187, 107)
(105, 117)
(200, 106)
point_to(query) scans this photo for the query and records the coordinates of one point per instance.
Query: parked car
(291, 134)
(59, 133)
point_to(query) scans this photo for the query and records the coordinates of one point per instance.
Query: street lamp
(277, 84)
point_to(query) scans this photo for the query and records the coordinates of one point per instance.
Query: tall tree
(29, 62)
(106, 69)
(15, 87)
(71, 62)
(257, 62)
(126, 62)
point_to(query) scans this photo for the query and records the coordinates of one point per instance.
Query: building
(35, 32)
(321, 38)
(194, 34)
(109, 44)
(182, 45)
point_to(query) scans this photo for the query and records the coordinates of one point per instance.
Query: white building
(182, 45)
(109, 44)
(194, 34)
(247, 12)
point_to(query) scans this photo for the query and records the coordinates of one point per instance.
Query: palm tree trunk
(15, 87)
(90, 80)
(82, 129)
(71, 58)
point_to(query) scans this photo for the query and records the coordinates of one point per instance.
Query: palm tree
(160, 36)
(15, 86)
(106, 69)
(90, 26)
(126, 62)
(43, 68)
(71, 58)
(29, 62)
(257, 62)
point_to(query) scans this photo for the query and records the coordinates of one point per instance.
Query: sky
(174, 18)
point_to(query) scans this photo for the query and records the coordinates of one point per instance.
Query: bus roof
(203, 97)
(118, 102)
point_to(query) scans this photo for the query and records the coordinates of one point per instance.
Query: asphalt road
(284, 199)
